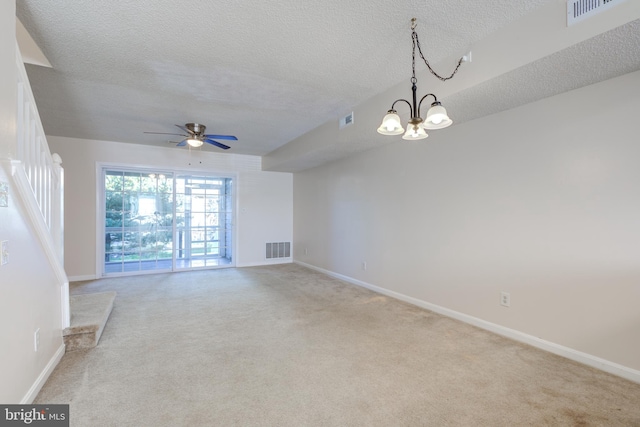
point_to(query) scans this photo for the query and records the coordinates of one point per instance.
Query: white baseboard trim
(560, 350)
(82, 278)
(262, 264)
(43, 377)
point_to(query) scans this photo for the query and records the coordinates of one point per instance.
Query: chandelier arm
(420, 104)
(444, 79)
(439, 118)
(403, 100)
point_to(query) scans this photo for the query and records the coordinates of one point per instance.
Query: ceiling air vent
(578, 10)
(346, 120)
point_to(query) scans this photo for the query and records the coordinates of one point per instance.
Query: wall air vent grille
(577, 10)
(278, 250)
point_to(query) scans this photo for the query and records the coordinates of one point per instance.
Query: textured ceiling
(267, 72)
(605, 56)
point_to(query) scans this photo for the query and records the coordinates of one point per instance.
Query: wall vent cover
(578, 10)
(278, 250)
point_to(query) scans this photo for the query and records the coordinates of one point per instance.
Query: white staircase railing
(43, 172)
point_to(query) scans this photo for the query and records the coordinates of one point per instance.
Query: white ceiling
(269, 72)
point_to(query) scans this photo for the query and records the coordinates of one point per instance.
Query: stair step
(89, 315)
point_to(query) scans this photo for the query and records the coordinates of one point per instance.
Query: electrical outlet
(36, 340)
(306, 251)
(505, 299)
(4, 252)
(364, 265)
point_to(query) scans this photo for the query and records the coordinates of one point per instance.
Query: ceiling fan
(195, 136)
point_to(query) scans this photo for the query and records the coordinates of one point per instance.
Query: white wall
(29, 300)
(29, 293)
(8, 79)
(265, 214)
(541, 201)
(264, 199)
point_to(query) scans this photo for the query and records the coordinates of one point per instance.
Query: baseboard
(82, 278)
(262, 264)
(560, 350)
(239, 265)
(43, 377)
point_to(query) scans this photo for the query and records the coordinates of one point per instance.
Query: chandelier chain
(416, 43)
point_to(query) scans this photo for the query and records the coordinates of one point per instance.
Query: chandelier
(436, 118)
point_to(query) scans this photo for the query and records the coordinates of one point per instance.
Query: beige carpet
(287, 346)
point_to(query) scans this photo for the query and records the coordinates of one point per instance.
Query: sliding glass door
(203, 221)
(159, 221)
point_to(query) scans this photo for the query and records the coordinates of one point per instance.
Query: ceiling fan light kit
(195, 136)
(436, 118)
(194, 142)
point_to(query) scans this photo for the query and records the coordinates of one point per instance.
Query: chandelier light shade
(391, 124)
(414, 132)
(437, 117)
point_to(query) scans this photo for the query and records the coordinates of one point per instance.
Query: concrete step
(89, 315)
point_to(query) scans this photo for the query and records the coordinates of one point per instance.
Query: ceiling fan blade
(227, 137)
(186, 130)
(164, 133)
(216, 143)
(182, 143)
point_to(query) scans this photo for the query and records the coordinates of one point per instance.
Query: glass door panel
(138, 221)
(203, 221)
